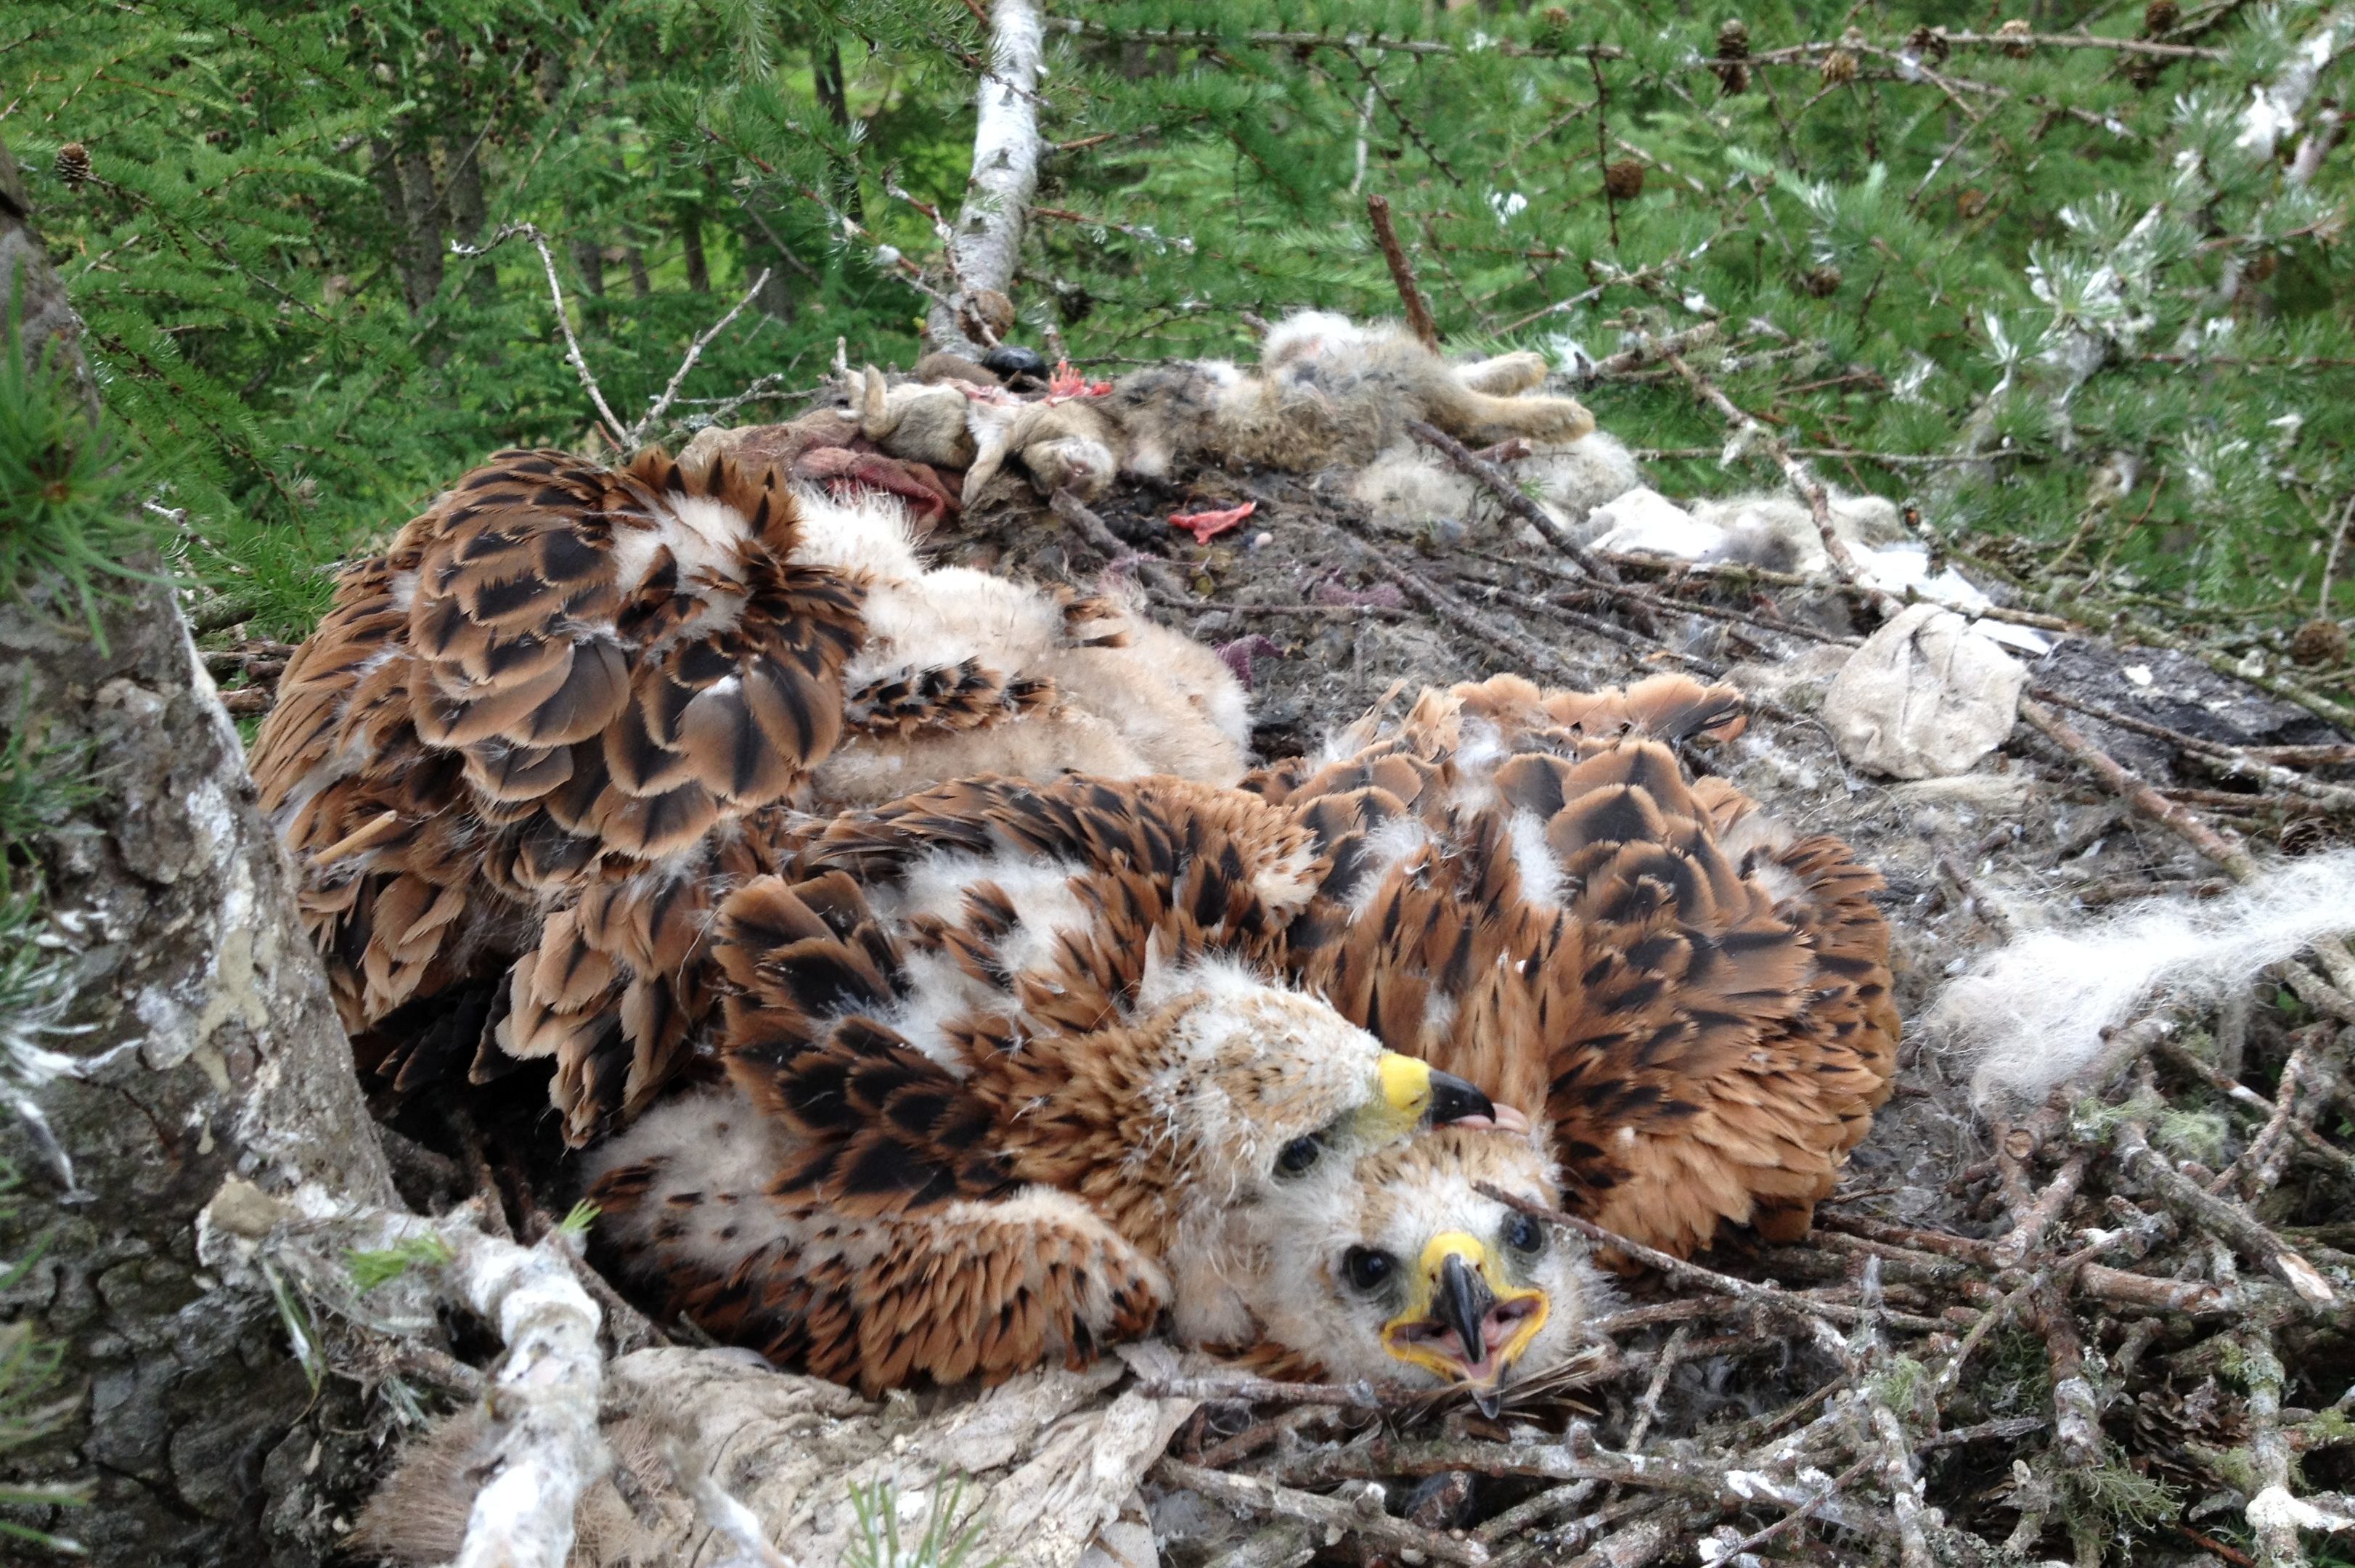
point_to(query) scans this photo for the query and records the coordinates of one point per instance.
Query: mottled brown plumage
(1009, 1086)
(1528, 889)
(563, 688)
(540, 737)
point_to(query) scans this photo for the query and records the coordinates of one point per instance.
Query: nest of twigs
(2116, 1327)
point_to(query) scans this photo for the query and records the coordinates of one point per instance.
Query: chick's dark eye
(1296, 1156)
(1365, 1267)
(1524, 1234)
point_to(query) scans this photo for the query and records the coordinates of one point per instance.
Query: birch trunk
(987, 240)
(199, 1044)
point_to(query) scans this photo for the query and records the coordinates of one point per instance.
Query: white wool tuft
(2032, 1012)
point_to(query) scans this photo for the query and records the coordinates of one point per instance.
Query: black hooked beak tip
(1462, 1303)
(1454, 1099)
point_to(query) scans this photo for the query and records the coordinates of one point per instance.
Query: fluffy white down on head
(2032, 1012)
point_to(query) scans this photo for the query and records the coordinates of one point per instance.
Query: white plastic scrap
(1923, 698)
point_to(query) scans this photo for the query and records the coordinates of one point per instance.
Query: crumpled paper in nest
(1926, 697)
(1048, 1463)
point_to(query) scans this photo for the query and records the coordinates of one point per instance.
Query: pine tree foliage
(2070, 280)
(257, 215)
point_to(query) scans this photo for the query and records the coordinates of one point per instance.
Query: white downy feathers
(2032, 1013)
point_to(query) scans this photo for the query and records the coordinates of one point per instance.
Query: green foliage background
(2069, 262)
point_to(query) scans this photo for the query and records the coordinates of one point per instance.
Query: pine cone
(2161, 17)
(1554, 29)
(1838, 68)
(2319, 643)
(1821, 282)
(73, 165)
(2016, 29)
(1623, 181)
(1732, 48)
(1930, 44)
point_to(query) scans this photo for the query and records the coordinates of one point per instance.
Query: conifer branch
(614, 428)
(1417, 314)
(694, 352)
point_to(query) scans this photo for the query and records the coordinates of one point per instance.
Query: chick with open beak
(1395, 1268)
(1466, 1318)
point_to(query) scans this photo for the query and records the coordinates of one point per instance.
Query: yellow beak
(1414, 1094)
(1462, 1321)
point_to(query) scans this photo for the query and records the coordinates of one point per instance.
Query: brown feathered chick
(1011, 1082)
(559, 677)
(1528, 890)
(539, 737)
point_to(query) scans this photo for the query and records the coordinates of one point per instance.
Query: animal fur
(1410, 485)
(1778, 532)
(1326, 392)
(1111, 692)
(2032, 1013)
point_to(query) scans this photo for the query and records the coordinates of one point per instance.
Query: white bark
(988, 236)
(541, 1449)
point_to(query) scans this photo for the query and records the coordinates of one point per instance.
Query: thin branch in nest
(614, 428)
(1530, 605)
(2226, 1220)
(1749, 1543)
(2235, 861)
(1462, 616)
(2321, 1149)
(1265, 1391)
(1361, 1516)
(637, 432)
(1418, 313)
(1685, 1270)
(1156, 572)
(1494, 480)
(2234, 760)
(2030, 1223)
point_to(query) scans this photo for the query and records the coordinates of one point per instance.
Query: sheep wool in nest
(2034, 1013)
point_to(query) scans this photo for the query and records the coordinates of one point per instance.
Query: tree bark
(690, 240)
(988, 235)
(404, 178)
(834, 91)
(199, 1044)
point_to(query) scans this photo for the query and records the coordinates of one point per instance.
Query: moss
(2190, 1134)
(2109, 1502)
(1898, 1382)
